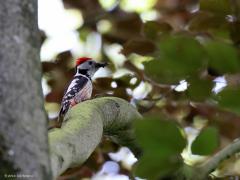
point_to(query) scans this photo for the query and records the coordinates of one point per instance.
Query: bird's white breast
(85, 93)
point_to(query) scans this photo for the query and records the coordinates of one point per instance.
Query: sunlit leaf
(223, 57)
(84, 33)
(162, 143)
(141, 5)
(206, 142)
(108, 4)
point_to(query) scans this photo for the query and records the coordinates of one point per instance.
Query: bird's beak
(99, 65)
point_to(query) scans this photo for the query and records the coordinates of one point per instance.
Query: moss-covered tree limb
(83, 127)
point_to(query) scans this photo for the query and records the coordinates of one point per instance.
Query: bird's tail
(60, 117)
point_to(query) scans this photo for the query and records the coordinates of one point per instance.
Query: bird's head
(88, 66)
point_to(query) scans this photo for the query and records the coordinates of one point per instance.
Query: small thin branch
(236, 8)
(161, 86)
(203, 171)
(209, 166)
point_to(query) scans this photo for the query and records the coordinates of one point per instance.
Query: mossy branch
(83, 127)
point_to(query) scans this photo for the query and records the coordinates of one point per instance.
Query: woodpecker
(80, 88)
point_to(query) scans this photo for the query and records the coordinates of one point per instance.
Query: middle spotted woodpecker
(80, 88)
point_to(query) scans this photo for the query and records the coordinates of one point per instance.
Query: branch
(202, 171)
(210, 165)
(83, 127)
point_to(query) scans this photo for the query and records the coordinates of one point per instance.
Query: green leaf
(152, 29)
(219, 7)
(179, 57)
(199, 89)
(223, 57)
(162, 143)
(151, 166)
(161, 132)
(229, 99)
(204, 21)
(206, 142)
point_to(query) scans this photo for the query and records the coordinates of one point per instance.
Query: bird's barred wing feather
(85, 93)
(73, 89)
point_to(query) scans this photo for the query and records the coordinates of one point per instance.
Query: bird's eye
(90, 62)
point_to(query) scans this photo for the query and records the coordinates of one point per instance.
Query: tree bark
(23, 127)
(83, 128)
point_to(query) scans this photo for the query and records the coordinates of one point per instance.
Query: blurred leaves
(58, 75)
(190, 40)
(162, 143)
(153, 29)
(229, 99)
(142, 5)
(206, 142)
(205, 21)
(223, 58)
(84, 5)
(199, 89)
(179, 57)
(125, 26)
(218, 7)
(139, 46)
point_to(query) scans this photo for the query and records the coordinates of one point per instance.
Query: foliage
(202, 147)
(158, 151)
(195, 41)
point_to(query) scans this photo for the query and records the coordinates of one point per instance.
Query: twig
(209, 166)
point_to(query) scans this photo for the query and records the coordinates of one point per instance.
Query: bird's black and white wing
(75, 87)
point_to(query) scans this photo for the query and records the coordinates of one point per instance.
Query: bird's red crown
(82, 60)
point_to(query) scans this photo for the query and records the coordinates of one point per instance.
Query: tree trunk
(23, 132)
